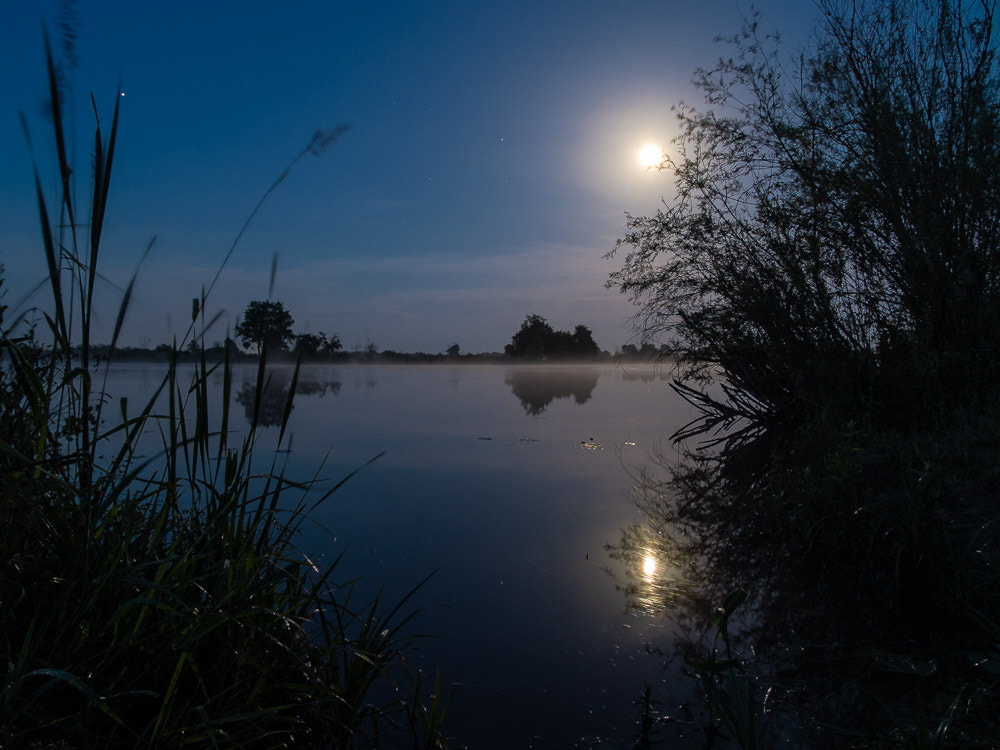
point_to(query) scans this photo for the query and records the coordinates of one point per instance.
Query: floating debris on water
(590, 445)
(527, 440)
(630, 443)
(484, 438)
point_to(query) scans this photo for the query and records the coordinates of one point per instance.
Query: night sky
(492, 153)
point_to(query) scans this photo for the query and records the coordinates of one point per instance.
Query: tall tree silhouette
(266, 325)
(531, 339)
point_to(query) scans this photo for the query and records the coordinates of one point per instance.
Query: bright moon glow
(649, 566)
(650, 156)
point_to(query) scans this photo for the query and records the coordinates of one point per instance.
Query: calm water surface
(508, 482)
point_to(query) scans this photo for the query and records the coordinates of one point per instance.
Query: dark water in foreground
(508, 482)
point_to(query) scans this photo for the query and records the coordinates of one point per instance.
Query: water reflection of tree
(831, 647)
(537, 388)
(275, 394)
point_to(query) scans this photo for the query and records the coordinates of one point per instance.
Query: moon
(650, 156)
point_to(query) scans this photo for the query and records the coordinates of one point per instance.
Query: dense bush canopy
(836, 219)
(831, 257)
(536, 339)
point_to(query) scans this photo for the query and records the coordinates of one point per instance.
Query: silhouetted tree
(836, 231)
(647, 352)
(536, 339)
(531, 339)
(307, 345)
(454, 350)
(583, 342)
(315, 346)
(266, 324)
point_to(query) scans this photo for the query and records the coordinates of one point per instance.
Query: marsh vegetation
(827, 283)
(160, 600)
(832, 263)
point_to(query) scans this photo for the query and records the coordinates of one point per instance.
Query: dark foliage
(831, 260)
(536, 339)
(833, 242)
(160, 600)
(266, 325)
(873, 577)
(316, 346)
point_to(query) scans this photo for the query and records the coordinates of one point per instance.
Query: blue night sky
(491, 155)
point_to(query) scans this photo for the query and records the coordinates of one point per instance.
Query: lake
(506, 483)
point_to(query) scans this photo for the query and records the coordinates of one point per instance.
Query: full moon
(650, 156)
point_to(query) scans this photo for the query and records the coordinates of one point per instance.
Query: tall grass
(162, 601)
(729, 691)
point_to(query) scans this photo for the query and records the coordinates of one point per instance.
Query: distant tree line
(267, 326)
